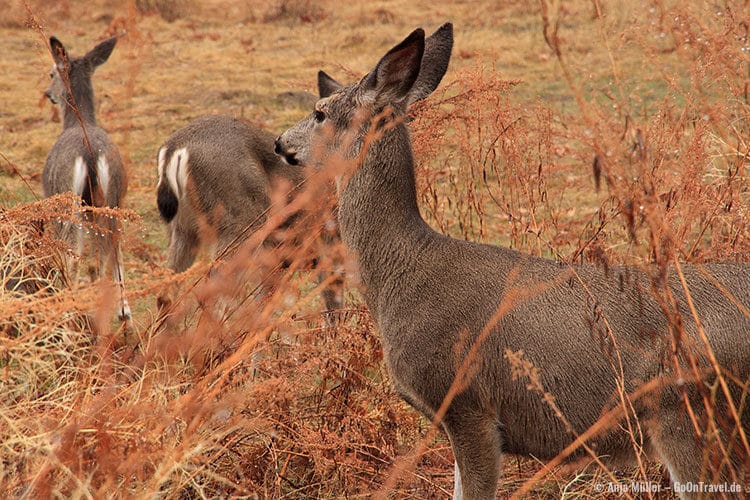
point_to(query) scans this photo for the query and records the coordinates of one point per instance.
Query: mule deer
(220, 171)
(593, 334)
(84, 160)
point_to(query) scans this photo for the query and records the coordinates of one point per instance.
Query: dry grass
(621, 137)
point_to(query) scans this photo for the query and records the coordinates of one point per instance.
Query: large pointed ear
(396, 72)
(437, 55)
(99, 54)
(59, 54)
(326, 84)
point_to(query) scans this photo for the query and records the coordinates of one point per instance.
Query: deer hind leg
(674, 442)
(688, 457)
(107, 235)
(475, 440)
(111, 261)
(181, 254)
(718, 455)
(183, 248)
(118, 275)
(71, 233)
(123, 311)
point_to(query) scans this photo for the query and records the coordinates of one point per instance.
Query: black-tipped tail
(166, 199)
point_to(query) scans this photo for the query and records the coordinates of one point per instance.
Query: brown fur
(229, 173)
(84, 160)
(586, 329)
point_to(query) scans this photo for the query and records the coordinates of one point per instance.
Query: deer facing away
(85, 161)
(435, 298)
(219, 172)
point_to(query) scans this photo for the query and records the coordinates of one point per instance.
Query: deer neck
(378, 212)
(78, 108)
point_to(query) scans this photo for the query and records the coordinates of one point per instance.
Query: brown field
(237, 396)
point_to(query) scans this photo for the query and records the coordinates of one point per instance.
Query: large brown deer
(595, 334)
(85, 161)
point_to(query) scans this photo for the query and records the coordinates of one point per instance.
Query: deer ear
(59, 54)
(326, 84)
(395, 74)
(437, 55)
(99, 54)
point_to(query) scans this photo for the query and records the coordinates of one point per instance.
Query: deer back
(221, 171)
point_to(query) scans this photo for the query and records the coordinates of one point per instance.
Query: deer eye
(319, 116)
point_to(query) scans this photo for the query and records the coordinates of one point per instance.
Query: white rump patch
(79, 176)
(176, 173)
(160, 165)
(102, 170)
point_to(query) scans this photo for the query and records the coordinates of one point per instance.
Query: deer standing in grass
(595, 335)
(85, 161)
(216, 179)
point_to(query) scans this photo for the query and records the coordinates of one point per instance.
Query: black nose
(277, 146)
